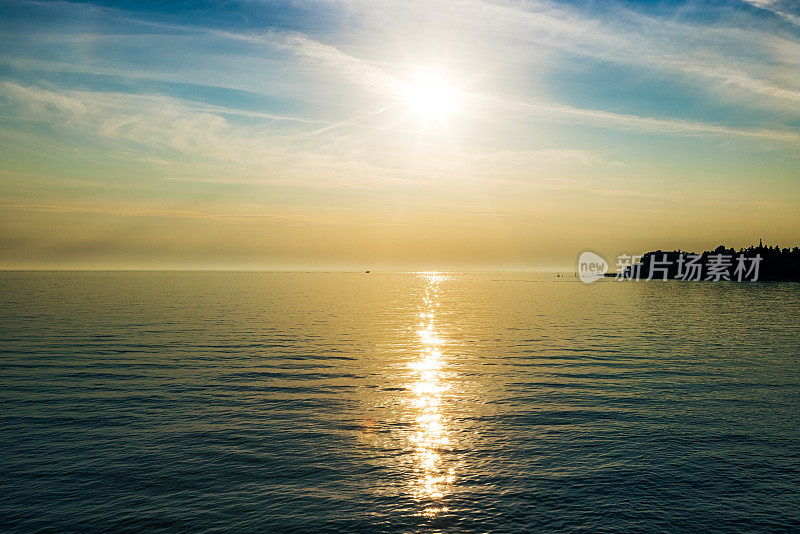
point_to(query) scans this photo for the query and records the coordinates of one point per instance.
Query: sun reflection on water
(433, 477)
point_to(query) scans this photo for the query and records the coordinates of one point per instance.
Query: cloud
(197, 139)
(346, 65)
(373, 78)
(179, 141)
(749, 64)
(772, 6)
(129, 210)
(653, 124)
(748, 61)
(542, 157)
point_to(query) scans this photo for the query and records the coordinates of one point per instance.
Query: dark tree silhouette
(754, 263)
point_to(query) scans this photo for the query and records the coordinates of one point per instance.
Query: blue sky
(402, 134)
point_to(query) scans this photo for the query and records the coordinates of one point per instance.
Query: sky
(393, 134)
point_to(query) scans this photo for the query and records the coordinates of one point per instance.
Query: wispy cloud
(720, 56)
(344, 64)
(127, 210)
(654, 124)
(774, 7)
(371, 76)
(172, 126)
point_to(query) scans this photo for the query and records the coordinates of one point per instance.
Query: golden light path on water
(430, 438)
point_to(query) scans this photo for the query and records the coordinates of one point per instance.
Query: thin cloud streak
(139, 211)
(769, 5)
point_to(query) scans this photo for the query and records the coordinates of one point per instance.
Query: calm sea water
(217, 402)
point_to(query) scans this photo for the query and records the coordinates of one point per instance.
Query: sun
(431, 97)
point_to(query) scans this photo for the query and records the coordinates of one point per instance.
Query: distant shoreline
(752, 264)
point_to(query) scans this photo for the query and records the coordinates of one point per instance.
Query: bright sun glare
(431, 97)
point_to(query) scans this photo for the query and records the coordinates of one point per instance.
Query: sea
(190, 401)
